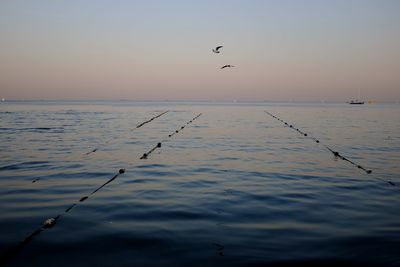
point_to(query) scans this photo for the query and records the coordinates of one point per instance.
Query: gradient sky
(157, 50)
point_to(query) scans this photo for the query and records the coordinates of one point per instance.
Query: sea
(128, 183)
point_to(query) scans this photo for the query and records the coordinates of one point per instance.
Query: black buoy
(317, 141)
(176, 131)
(336, 154)
(169, 135)
(144, 156)
(121, 171)
(83, 199)
(159, 145)
(305, 134)
(369, 171)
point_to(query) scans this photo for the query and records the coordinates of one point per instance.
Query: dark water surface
(234, 188)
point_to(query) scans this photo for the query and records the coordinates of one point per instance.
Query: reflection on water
(234, 188)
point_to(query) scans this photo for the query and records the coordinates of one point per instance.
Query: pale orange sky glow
(157, 50)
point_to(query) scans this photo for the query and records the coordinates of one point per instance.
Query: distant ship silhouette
(356, 101)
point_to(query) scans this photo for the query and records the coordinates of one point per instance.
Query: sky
(299, 50)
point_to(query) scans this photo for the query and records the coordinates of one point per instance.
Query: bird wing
(218, 47)
(223, 67)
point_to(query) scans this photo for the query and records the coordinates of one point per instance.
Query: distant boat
(356, 101)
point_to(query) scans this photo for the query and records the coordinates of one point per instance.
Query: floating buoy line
(335, 153)
(150, 120)
(50, 222)
(137, 126)
(146, 155)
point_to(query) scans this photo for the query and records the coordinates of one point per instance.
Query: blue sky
(282, 50)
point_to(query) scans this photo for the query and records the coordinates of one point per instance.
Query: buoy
(49, 223)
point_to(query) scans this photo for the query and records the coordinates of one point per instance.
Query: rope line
(146, 155)
(155, 117)
(138, 126)
(49, 223)
(335, 153)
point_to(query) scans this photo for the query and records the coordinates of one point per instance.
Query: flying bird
(216, 50)
(227, 66)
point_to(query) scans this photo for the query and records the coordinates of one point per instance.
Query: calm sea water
(234, 188)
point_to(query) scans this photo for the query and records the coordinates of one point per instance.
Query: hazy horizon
(161, 50)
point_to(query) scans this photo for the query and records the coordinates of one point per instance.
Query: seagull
(227, 66)
(216, 50)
